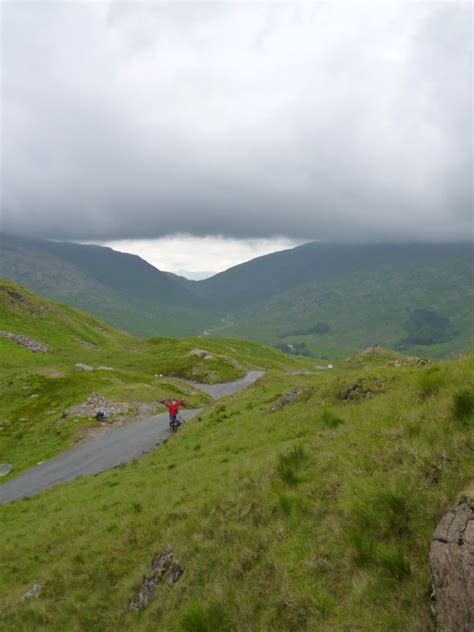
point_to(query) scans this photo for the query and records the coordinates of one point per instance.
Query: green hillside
(121, 289)
(317, 516)
(36, 388)
(363, 295)
(327, 300)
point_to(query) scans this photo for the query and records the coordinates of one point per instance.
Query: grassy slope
(316, 517)
(35, 388)
(367, 307)
(122, 289)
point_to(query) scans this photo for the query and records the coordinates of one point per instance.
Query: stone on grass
(163, 568)
(26, 343)
(5, 468)
(83, 367)
(34, 592)
(287, 399)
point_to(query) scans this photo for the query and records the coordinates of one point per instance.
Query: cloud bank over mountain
(312, 121)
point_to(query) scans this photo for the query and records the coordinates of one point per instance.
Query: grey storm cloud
(312, 120)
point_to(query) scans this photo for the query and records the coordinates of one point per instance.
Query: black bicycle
(176, 422)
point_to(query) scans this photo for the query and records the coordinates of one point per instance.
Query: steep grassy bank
(315, 517)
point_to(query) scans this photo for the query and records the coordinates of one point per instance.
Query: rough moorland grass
(345, 548)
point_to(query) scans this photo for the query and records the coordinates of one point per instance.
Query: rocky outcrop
(364, 388)
(287, 399)
(163, 567)
(26, 343)
(452, 569)
(410, 362)
(94, 404)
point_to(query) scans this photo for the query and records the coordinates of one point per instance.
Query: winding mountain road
(112, 449)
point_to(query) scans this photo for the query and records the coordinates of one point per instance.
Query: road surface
(112, 449)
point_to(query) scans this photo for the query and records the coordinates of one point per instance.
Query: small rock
(163, 566)
(105, 368)
(83, 367)
(287, 399)
(198, 352)
(5, 468)
(34, 592)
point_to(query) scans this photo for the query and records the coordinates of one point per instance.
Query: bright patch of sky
(199, 257)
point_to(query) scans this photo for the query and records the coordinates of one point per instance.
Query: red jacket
(174, 408)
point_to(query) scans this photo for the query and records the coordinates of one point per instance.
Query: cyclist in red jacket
(173, 409)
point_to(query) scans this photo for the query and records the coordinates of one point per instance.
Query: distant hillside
(316, 299)
(335, 298)
(122, 289)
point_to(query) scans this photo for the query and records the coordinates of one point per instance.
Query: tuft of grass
(285, 503)
(330, 419)
(199, 617)
(463, 405)
(393, 561)
(288, 463)
(430, 381)
(384, 512)
(363, 544)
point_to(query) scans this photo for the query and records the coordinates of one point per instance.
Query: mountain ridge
(361, 294)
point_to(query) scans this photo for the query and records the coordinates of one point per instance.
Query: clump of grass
(430, 382)
(413, 429)
(463, 405)
(396, 511)
(288, 463)
(199, 617)
(137, 507)
(329, 418)
(394, 561)
(383, 513)
(285, 503)
(363, 544)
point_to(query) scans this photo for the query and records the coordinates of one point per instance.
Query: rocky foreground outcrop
(452, 568)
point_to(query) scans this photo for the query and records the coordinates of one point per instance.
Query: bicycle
(176, 423)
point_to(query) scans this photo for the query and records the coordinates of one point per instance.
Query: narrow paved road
(112, 449)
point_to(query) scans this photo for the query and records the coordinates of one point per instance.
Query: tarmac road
(112, 449)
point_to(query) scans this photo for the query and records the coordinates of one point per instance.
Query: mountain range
(316, 299)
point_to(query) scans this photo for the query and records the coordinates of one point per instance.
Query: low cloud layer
(312, 121)
(187, 255)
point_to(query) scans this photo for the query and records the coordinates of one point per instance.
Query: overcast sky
(332, 121)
